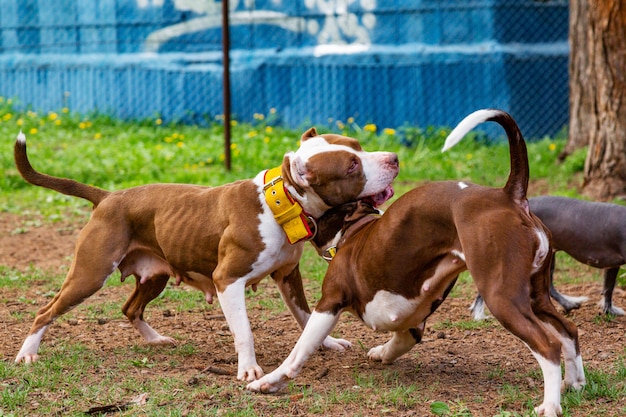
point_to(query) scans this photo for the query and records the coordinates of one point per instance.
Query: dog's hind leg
(568, 302)
(513, 310)
(88, 273)
(136, 304)
(76, 288)
(606, 302)
(400, 343)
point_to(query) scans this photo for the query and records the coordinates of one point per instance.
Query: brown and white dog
(216, 239)
(392, 271)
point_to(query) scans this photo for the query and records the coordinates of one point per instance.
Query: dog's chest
(390, 312)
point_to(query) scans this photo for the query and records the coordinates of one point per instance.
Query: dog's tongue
(380, 198)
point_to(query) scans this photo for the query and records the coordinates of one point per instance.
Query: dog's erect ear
(311, 133)
(293, 171)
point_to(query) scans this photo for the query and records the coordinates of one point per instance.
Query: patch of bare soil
(453, 364)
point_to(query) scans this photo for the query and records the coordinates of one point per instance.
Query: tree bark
(581, 113)
(602, 99)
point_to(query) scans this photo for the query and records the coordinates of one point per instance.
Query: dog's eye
(353, 166)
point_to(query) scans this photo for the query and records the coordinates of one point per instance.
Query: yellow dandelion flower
(252, 133)
(158, 122)
(20, 121)
(7, 116)
(266, 139)
(82, 125)
(233, 146)
(53, 116)
(233, 122)
(168, 139)
(57, 122)
(33, 131)
(389, 131)
(98, 135)
(180, 144)
(350, 120)
(469, 156)
(222, 157)
(158, 147)
(552, 147)
(269, 129)
(209, 160)
(65, 110)
(370, 127)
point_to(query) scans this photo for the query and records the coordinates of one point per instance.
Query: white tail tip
(21, 137)
(466, 125)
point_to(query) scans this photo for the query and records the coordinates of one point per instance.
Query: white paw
(266, 385)
(161, 340)
(549, 410)
(376, 353)
(249, 373)
(616, 311)
(336, 344)
(26, 357)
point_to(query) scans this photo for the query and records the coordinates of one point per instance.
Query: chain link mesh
(390, 63)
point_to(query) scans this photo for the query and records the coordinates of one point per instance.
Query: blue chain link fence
(391, 63)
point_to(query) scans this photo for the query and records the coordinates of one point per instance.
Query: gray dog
(592, 233)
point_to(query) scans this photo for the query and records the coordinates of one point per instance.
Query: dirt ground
(457, 364)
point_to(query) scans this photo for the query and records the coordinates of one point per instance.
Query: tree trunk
(602, 100)
(581, 112)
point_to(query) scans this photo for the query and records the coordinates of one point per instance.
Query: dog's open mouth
(380, 198)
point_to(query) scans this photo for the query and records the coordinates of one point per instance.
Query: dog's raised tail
(62, 185)
(517, 184)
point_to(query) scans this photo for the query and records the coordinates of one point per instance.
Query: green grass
(112, 154)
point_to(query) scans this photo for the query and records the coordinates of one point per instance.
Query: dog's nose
(393, 159)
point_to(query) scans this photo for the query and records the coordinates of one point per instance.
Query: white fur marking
(458, 254)
(29, 349)
(542, 251)
(377, 315)
(21, 137)
(466, 125)
(462, 185)
(551, 406)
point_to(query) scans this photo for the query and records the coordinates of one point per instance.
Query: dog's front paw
(249, 373)
(376, 353)
(26, 358)
(549, 410)
(161, 340)
(336, 344)
(268, 384)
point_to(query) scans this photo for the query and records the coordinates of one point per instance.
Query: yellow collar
(287, 212)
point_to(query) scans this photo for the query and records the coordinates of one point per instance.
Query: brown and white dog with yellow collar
(392, 271)
(216, 239)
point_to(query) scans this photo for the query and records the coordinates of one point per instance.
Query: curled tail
(62, 185)
(517, 185)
